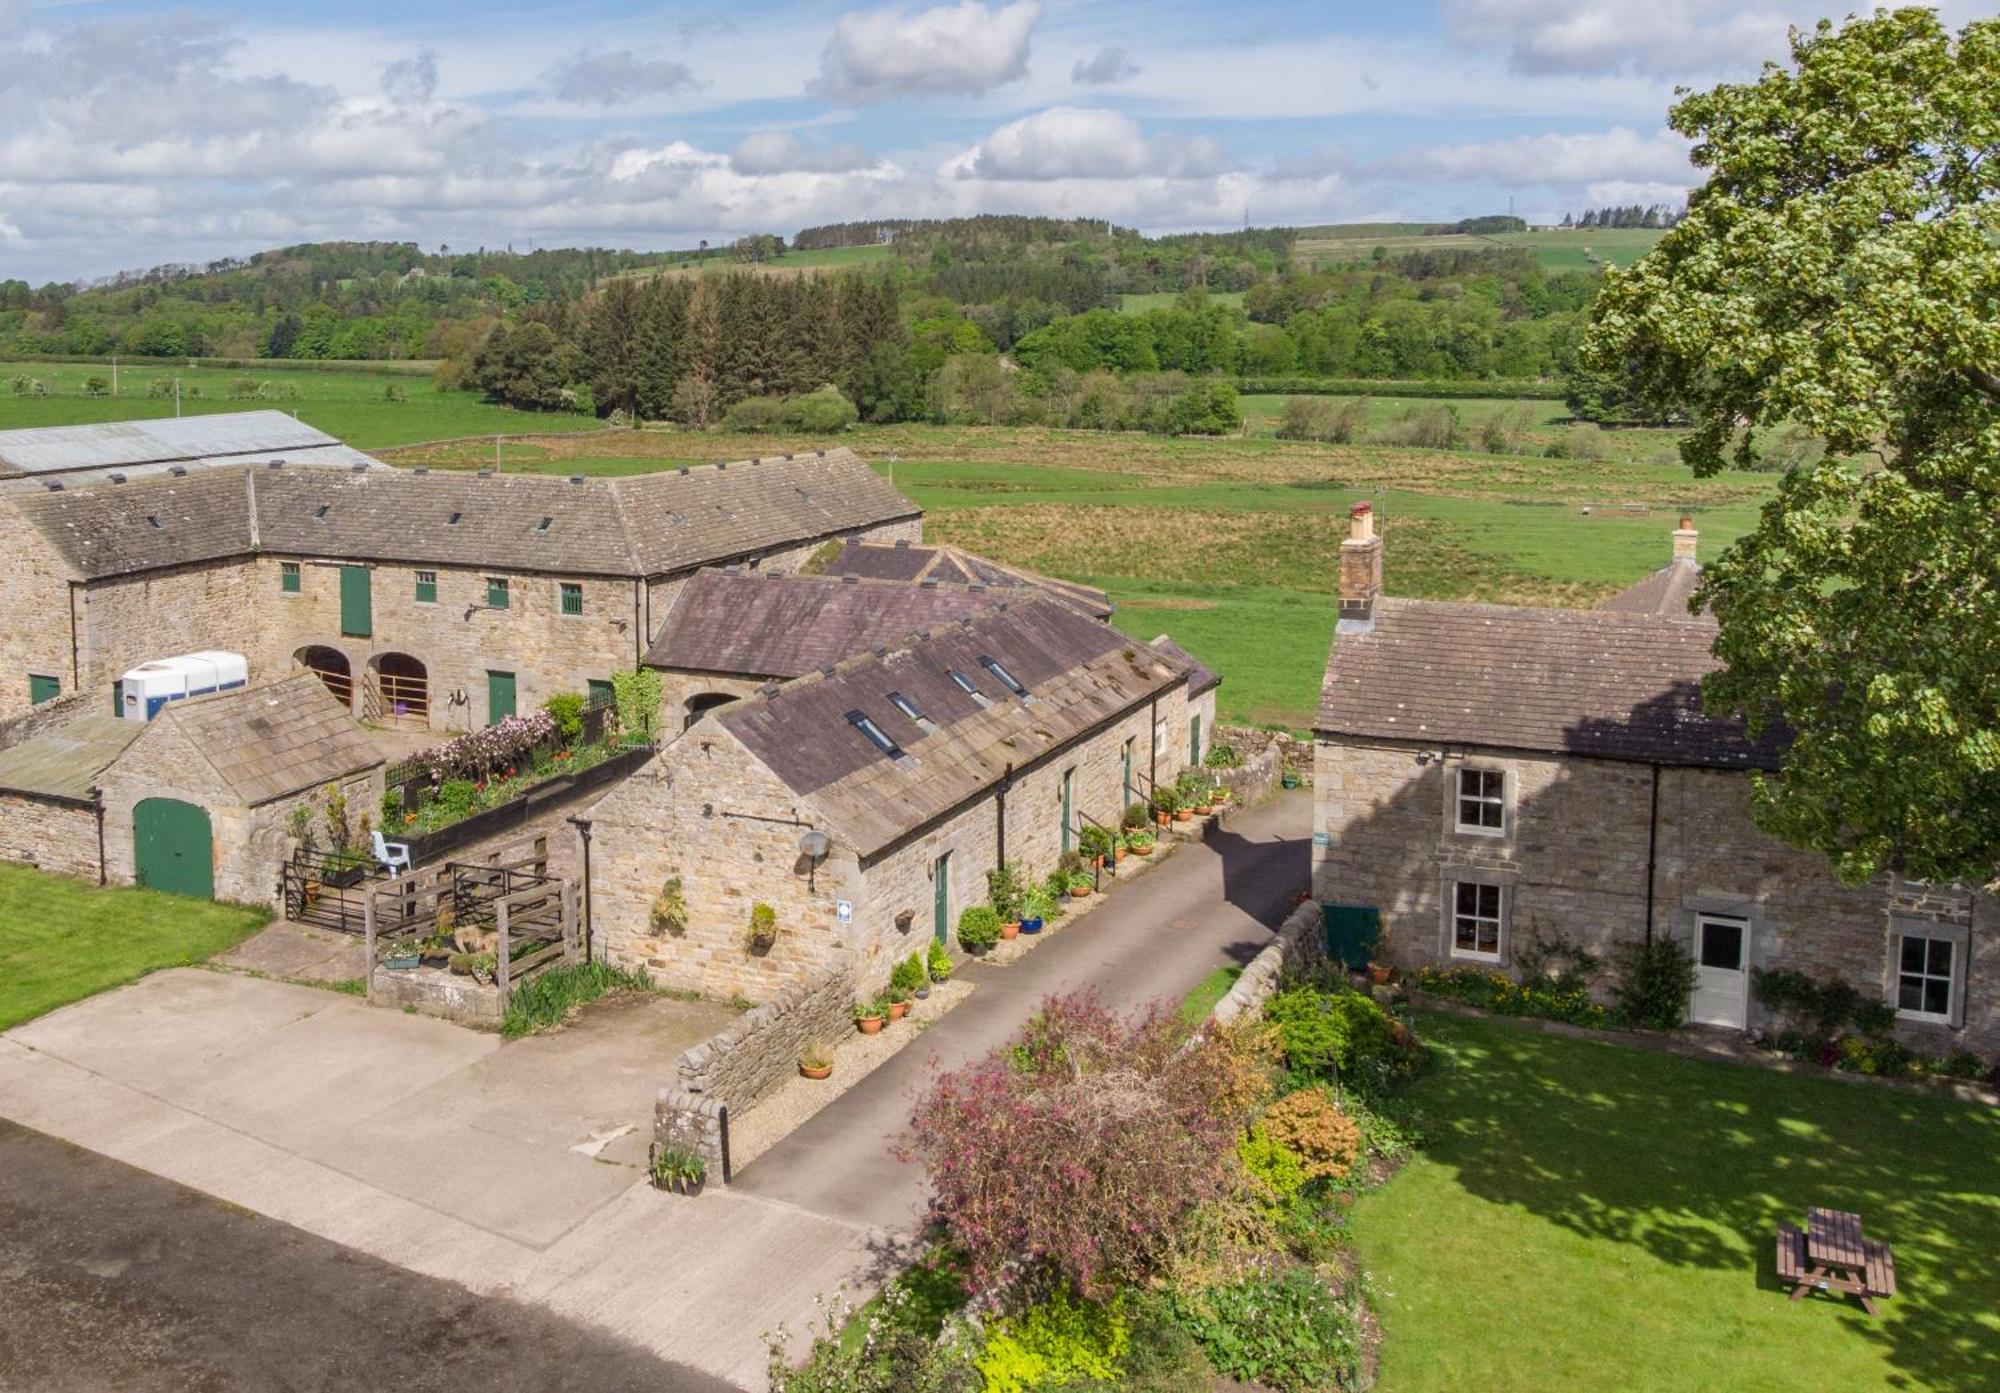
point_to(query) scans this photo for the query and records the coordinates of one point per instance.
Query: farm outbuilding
(198, 801)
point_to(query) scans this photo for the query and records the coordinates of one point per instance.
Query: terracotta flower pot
(1204, 809)
(820, 1071)
(1146, 850)
(1183, 815)
(1078, 892)
(1117, 855)
(870, 1025)
(1010, 929)
(1379, 973)
(1161, 818)
(898, 1010)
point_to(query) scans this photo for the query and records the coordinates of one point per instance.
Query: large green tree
(1839, 270)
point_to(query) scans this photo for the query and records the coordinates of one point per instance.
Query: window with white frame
(1482, 801)
(1926, 971)
(1478, 914)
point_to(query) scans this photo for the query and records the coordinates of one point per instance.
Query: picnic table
(1834, 1255)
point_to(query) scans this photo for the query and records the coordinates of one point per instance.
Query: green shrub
(1160, 1357)
(978, 928)
(1094, 842)
(822, 412)
(566, 710)
(637, 694)
(1004, 889)
(1272, 1162)
(1287, 1332)
(456, 799)
(1550, 1000)
(1339, 1033)
(906, 976)
(1057, 1343)
(1222, 755)
(1137, 815)
(937, 962)
(1652, 983)
(756, 416)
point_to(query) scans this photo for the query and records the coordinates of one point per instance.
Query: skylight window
(906, 706)
(965, 685)
(545, 524)
(321, 511)
(452, 521)
(876, 735)
(152, 522)
(1007, 679)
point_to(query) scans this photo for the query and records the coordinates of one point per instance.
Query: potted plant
(897, 1003)
(978, 929)
(868, 1015)
(1137, 815)
(763, 932)
(1381, 974)
(403, 956)
(484, 966)
(1095, 844)
(906, 980)
(816, 1061)
(937, 962)
(1080, 884)
(1141, 840)
(677, 1169)
(1004, 886)
(1036, 905)
(669, 912)
(1166, 803)
(1289, 778)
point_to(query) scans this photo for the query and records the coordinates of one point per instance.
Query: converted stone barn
(1490, 777)
(434, 600)
(994, 737)
(197, 801)
(730, 631)
(953, 568)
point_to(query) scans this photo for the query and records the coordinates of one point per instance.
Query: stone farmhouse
(991, 737)
(435, 600)
(1488, 777)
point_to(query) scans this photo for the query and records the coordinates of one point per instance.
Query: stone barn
(996, 737)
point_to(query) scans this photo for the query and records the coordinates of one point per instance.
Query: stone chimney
(1684, 540)
(1360, 566)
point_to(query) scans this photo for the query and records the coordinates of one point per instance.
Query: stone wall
(35, 620)
(677, 689)
(128, 620)
(746, 1060)
(1299, 947)
(57, 837)
(1571, 863)
(434, 991)
(43, 718)
(692, 1122)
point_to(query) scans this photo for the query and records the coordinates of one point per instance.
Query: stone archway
(699, 705)
(397, 691)
(331, 667)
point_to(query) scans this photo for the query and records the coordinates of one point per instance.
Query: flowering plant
(480, 751)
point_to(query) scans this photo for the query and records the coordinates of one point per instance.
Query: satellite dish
(815, 844)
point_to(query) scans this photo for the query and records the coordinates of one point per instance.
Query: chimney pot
(1361, 522)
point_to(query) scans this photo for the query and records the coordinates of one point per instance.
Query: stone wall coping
(1300, 938)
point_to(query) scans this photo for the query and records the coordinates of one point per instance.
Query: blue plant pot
(1031, 926)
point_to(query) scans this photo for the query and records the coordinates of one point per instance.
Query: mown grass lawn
(62, 940)
(1589, 1216)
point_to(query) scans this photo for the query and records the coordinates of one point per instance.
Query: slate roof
(642, 525)
(1607, 684)
(192, 442)
(759, 624)
(65, 762)
(1201, 677)
(948, 565)
(1664, 592)
(1078, 673)
(275, 739)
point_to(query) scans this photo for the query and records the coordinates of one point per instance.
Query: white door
(1722, 972)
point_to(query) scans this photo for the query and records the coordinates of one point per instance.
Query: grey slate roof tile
(1587, 682)
(1079, 672)
(275, 739)
(1664, 592)
(949, 565)
(65, 763)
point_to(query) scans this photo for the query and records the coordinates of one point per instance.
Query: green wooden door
(1352, 932)
(357, 607)
(41, 689)
(941, 898)
(499, 697)
(172, 848)
(1194, 739)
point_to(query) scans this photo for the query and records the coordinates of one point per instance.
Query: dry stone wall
(1300, 947)
(745, 1061)
(49, 836)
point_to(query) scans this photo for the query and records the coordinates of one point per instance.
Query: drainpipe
(582, 826)
(75, 659)
(97, 800)
(1000, 812)
(638, 629)
(1652, 851)
(1153, 747)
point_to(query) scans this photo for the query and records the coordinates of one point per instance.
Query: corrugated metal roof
(65, 762)
(224, 437)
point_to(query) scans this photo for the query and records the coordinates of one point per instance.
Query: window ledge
(1923, 1018)
(1462, 955)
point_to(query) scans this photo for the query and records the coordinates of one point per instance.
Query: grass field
(719, 262)
(62, 940)
(1591, 1216)
(1557, 251)
(1167, 299)
(350, 404)
(1232, 545)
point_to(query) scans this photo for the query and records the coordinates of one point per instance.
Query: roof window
(152, 522)
(321, 511)
(545, 524)
(1007, 678)
(452, 521)
(876, 735)
(965, 685)
(907, 707)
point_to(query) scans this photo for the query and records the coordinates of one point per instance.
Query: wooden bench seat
(1881, 1268)
(1791, 1254)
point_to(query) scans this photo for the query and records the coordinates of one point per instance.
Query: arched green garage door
(172, 848)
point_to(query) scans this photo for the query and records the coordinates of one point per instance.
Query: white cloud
(1068, 142)
(1660, 160)
(780, 152)
(1672, 37)
(412, 81)
(952, 50)
(615, 78)
(1106, 66)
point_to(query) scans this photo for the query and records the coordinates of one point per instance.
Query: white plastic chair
(394, 855)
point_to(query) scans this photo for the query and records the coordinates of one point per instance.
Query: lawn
(1592, 1216)
(352, 404)
(62, 940)
(1138, 302)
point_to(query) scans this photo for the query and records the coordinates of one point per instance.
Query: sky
(137, 134)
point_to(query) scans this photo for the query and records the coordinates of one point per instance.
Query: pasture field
(354, 404)
(1140, 302)
(720, 262)
(1232, 545)
(1572, 250)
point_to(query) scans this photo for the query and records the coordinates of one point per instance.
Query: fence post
(501, 970)
(368, 938)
